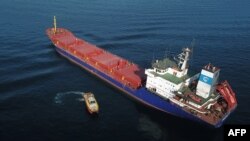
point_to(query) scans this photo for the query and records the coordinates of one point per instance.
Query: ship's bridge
(167, 76)
(164, 64)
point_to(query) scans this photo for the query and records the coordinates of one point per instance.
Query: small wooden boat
(91, 103)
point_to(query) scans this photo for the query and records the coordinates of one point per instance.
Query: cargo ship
(167, 86)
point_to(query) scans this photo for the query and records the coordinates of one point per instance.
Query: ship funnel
(54, 24)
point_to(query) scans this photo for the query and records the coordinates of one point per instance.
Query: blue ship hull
(142, 94)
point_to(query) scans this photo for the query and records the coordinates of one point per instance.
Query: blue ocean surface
(40, 91)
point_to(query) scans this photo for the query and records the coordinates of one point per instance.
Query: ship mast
(184, 65)
(54, 24)
(184, 57)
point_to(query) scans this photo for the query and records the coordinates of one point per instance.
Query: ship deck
(118, 68)
(187, 90)
(170, 77)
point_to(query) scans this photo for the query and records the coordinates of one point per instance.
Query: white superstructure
(168, 76)
(170, 80)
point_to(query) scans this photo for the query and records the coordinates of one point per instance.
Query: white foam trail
(80, 99)
(59, 96)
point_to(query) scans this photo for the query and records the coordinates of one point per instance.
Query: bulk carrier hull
(140, 93)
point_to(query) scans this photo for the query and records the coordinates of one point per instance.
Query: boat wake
(60, 97)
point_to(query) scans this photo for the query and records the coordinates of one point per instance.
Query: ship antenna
(54, 24)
